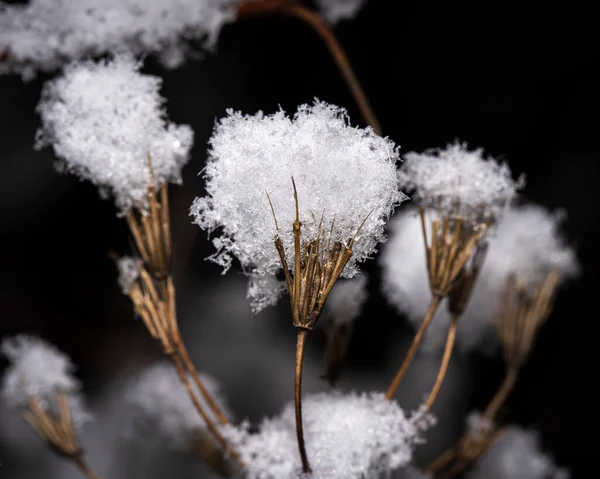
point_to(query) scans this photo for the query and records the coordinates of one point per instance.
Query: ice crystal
(105, 121)
(129, 272)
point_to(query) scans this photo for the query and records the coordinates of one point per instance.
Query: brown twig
(301, 334)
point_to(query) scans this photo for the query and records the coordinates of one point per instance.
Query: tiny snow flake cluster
(160, 403)
(478, 426)
(346, 299)
(105, 121)
(335, 11)
(518, 454)
(347, 436)
(38, 370)
(343, 175)
(129, 272)
(45, 34)
(440, 178)
(264, 291)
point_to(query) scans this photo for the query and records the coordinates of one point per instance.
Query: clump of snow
(518, 454)
(347, 436)
(264, 291)
(479, 426)
(38, 370)
(43, 35)
(342, 173)
(441, 177)
(161, 405)
(104, 120)
(129, 272)
(335, 11)
(345, 302)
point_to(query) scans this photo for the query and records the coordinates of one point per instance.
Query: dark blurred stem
(433, 306)
(82, 465)
(300, 342)
(316, 22)
(445, 363)
(510, 379)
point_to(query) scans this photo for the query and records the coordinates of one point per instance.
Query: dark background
(519, 80)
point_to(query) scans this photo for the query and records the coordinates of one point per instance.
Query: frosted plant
(253, 154)
(129, 272)
(40, 381)
(161, 405)
(352, 435)
(335, 11)
(284, 195)
(264, 291)
(45, 34)
(106, 121)
(517, 455)
(344, 305)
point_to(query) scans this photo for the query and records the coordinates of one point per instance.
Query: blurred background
(518, 79)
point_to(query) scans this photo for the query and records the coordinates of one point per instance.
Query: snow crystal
(105, 120)
(335, 11)
(342, 173)
(38, 370)
(440, 177)
(129, 272)
(264, 291)
(347, 436)
(161, 404)
(43, 35)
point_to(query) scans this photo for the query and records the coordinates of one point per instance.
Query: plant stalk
(83, 467)
(510, 379)
(433, 306)
(300, 342)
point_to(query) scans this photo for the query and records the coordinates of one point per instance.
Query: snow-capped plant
(129, 272)
(347, 436)
(160, 404)
(251, 156)
(335, 11)
(43, 35)
(37, 370)
(106, 122)
(518, 454)
(441, 179)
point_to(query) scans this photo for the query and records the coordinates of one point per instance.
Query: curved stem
(433, 306)
(82, 465)
(441, 462)
(215, 408)
(300, 342)
(321, 27)
(445, 363)
(510, 379)
(209, 423)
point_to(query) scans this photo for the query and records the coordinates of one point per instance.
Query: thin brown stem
(510, 379)
(300, 342)
(317, 23)
(189, 365)
(208, 421)
(445, 363)
(441, 462)
(83, 466)
(433, 306)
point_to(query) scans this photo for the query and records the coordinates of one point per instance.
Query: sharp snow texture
(105, 120)
(347, 436)
(346, 299)
(38, 370)
(335, 11)
(264, 291)
(527, 242)
(252, 155)
(43, 35)
(160, 404)
(518, 454)
(129, 272)
(440, 177)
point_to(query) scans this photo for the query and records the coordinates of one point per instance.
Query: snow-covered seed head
(347, 436)
(106, 122)
(160, 404)
(342, 175)
(441, 179)
(39, 371)
(44, 34)
(518, 454)
(335, 11)
(129, 272)
(346, 299)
